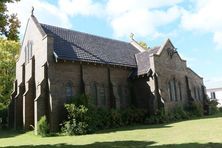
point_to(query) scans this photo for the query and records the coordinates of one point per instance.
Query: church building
(55, 64)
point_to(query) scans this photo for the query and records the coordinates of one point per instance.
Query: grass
(204, 132)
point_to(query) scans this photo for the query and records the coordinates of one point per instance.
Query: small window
(213, 95)
(69, 92)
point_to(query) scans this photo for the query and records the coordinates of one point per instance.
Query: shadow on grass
(190, 145)
(132, 127)
(7, 133)
(151, 126)
(124, 144)
(13, 133)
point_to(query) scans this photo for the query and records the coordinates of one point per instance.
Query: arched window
(172, 89)
(102, 95)
(94, 93)
(199, 93)
(26, 54)
(195, 93)
(69, 91)
(30, 50)
(180, 91)
(175, 89)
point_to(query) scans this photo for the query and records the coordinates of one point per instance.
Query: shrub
(195, 110)
(99, 118)
(77, 123)
(80, 99)
(116, 118)
(158, 118)
(220, 109)
(83, 120)
(43, 127)
(213, 109)
(180, 113)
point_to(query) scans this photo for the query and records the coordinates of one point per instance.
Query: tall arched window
(26, 54)
(30, 50)
(175, 89)
(102, 94)
(180, 91)
(94, 93)
(195, 89)
(199, 93)
(172, 89)
(69, 91)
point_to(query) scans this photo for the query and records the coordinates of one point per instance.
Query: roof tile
(73, 45)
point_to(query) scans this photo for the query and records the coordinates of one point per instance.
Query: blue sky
(194, 26)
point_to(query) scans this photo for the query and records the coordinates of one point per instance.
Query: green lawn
(205, 132)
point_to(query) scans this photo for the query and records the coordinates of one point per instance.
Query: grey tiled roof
(78, 46)
(143, 61)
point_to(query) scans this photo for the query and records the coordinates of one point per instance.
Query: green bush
(116, 118)
(100, 118)
(77, 123)
(43, 127)
(178, 113)
(220, 109)
(213, 109)
(83, 120)
(158, 118)
(80, 99)
(195, 110)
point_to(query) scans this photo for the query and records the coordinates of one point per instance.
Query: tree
(8, 55)
(8, 24)
(143, 44)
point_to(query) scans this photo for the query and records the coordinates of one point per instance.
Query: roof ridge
(38, 25)
(86, 33)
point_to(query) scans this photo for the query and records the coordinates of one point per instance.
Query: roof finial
(32, 11)
(131, 36)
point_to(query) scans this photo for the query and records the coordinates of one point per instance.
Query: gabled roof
(143, 61)
(78, 46)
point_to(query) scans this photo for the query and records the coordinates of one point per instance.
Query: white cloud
(144, 18)
(218, 39)
(215, 82)
(206, 18)
(44, 11)
(80, 7)
(55, 14)
(141, 17)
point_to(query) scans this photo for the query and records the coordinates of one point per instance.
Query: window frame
(69, 87)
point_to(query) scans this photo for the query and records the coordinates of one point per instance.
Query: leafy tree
(8, 24)
(143, 44)
(8, 55)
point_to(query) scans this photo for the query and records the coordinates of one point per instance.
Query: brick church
(56, 63)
